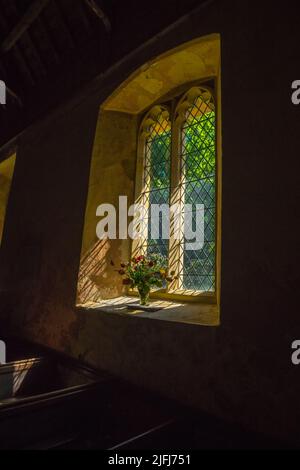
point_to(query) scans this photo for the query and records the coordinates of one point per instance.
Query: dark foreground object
(48, 401)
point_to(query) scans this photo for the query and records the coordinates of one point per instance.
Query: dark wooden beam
(41, 36)
(28, 18)
(85, 18)
(64, 21)
(100, 13)
(17, 59)
(30, 52)
(14, 96)
(22, 65)
(57, 28)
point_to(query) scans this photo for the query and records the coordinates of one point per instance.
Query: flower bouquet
(144, 273)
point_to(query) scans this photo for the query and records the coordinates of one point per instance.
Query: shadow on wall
(96, 275)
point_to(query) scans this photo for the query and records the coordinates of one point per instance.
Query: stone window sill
(180, 312)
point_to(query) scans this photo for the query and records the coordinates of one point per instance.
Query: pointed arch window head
(177, 154)
(156, 163)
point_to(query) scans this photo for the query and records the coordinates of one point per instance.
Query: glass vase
(144, 292)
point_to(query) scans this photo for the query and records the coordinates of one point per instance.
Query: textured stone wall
(112, 175)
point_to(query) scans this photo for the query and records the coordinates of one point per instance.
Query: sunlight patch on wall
(6, 175)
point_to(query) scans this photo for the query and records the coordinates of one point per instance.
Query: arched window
(162, 125)
(177, 167)
(196, 113)
(155, 161)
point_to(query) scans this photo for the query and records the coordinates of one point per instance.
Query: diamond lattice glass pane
(159, 196)
(198, 165)
(201, 192)
(158, 152)
(157, 176)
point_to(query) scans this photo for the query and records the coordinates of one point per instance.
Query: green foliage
(198, 152)
(199, 148)
(160, 161)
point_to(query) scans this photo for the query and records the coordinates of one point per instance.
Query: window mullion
(175, 245)
(139, 198)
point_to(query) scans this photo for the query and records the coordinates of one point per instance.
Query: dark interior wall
(45, 216)
(242, 369)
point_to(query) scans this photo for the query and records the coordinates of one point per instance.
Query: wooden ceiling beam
(22, 65)
(9, 91)
(58, 29)
(64, 22)
(28, 18)
(30, 52)
(100, 13)
(18, 60)
(41, 35)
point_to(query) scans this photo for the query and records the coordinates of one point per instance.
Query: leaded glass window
(156, 179)
(198, 172)
(178, 145)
